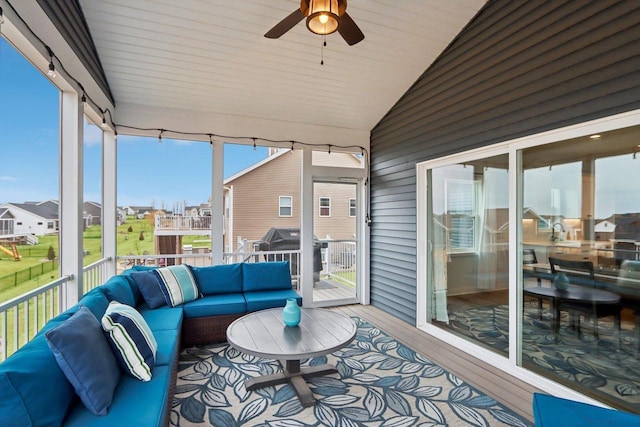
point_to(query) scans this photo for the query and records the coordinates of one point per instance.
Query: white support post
(306, 227)
(71, 174)
(217, 203)
(109, 200)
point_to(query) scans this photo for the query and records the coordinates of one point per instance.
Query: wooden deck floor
(512, 392)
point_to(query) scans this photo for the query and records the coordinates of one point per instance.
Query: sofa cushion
(266, 276)
(262, 300)
(168, 348)
(219, 279)
(95, 300)
(83, 354)
(149, 287)
(177, 284)
(550, 411)
(33, 388)
(117, 288)
(214, 305)
(131, 339)
(135, 403)
(162, 319)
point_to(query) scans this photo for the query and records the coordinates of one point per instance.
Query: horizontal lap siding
(518, 68)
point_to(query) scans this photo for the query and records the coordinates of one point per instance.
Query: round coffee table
(263, 334)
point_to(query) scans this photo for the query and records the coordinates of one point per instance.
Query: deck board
(516, 394)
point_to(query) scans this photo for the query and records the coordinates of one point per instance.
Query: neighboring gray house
(92, 212)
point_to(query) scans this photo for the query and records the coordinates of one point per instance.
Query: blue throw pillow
(266, 276)
(177, 284)
(219, 279)
(83, 354)
(149, 288)
(131, 339)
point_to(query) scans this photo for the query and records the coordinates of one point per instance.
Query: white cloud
(8, 178)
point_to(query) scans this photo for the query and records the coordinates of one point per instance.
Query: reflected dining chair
(581, 273)
(528, 258)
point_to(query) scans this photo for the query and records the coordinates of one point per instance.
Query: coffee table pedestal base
(294, 375)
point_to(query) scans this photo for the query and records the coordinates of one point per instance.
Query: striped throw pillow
(131, 339)
(177, 284)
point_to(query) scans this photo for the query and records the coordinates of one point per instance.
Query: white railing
(339, 260)
(94, 275)
(183, 223)
(22, 317)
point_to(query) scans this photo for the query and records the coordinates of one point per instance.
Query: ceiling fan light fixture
(323, 16)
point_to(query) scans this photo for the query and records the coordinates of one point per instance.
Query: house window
(285, 206)
(19, 223)
(50, 225)
(325, 206)
(40, 223)
(462, 208)
(352, 207)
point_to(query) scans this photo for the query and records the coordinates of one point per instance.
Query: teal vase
(291, 313)
(561, 281)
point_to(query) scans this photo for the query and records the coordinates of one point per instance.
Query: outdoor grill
(288, 239)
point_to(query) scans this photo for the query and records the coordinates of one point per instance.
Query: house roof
(47, 210)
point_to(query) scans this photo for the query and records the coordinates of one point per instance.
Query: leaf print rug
(380, 382)
(605, 367)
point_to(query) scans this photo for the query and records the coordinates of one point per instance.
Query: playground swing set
(14, 252)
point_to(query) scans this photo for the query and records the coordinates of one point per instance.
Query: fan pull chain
(324, 43)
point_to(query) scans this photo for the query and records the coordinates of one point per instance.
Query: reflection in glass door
(468, 233)
(335, 242)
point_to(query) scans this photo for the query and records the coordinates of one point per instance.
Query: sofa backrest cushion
(177, 284)
(33, 388)
(149, 287)
(117, 288)
(219, 279)
(132, 284)
(83, 353)
(131, 339)
(95, 300)
(266, 276)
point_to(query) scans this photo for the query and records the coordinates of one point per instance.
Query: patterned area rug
(380, 383)
(608, 368)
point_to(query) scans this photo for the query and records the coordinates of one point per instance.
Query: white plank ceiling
(208, 59)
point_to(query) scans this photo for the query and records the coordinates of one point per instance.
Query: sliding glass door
(468, 239)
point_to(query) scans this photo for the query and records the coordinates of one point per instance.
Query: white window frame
(474, 215)
(512, 147)
(281, 206)
(353, 209)
(320, 199)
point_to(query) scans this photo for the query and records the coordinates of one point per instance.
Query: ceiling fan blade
(349, 30)
(285, 25)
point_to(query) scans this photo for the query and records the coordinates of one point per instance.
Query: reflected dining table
(574, 294)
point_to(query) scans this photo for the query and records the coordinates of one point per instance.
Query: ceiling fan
(323, 17)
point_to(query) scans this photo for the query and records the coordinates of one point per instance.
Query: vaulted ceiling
(204, 65)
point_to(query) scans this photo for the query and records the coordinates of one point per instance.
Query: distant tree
(51, 254)
(141, 236)
(130, 229)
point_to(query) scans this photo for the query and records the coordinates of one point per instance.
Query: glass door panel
(468, 233)
(335, 242)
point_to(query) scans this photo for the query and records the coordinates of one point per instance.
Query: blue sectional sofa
(551, 411)
(40, 387)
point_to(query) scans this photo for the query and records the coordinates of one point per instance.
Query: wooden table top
(263, 334)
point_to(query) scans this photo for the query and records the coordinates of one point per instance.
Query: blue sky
(148, 172)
